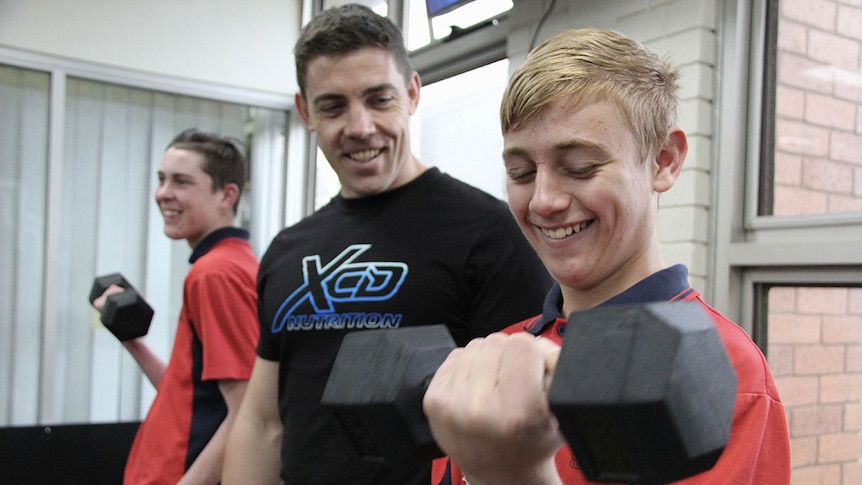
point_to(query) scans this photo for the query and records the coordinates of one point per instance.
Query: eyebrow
(576, 144)
(365, 92)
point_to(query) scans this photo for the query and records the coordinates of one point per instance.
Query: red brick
(842, 329)
(830, 301)
(817, 420)
(838, 447)
(798, 391)
(790, 328)
(854, 359)
(819, 13)
(818, 359)
(849, 23)
(845, 147)
(783, 299)
(802, 139)
(793, 36)
(827, 176)
(792, 201)
(844, 203)
(847, 85)
(851, 473)
(789, 102)
(788, 171)
(816, 475)
(833, 49)
(803, 452)
(853, 417)
(780, 359)
(818, 78)
(830, 112)
(840, 388)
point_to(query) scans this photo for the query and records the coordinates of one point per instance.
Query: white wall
(245, 44)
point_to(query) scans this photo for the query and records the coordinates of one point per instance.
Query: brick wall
(815, 352)
(818, 167)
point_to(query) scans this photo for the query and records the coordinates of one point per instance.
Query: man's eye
(381, 101)
(329, 109)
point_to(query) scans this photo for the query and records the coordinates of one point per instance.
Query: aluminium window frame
(753, 251)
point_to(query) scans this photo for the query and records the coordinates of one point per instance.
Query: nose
(360, 122)
(549, 194)
(162, 191)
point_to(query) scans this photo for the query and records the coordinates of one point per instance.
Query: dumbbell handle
(99, 302)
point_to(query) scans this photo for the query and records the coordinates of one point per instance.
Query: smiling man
(401, 245)
(199, 390)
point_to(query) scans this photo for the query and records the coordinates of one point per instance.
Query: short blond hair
(593, 64)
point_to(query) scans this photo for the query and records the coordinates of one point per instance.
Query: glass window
(447, 16)
(815, 165)
(815, 353)
(464, 17)
(457, 127)
(23, 204)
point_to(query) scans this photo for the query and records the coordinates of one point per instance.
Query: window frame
(753, 250)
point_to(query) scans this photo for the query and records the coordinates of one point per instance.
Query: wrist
(543, 474)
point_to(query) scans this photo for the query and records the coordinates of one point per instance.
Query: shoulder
(461, 190)
(748, 360)
(229, 256)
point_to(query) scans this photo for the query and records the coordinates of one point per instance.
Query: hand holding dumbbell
(123, 310)
(642, 393)
(487, 407)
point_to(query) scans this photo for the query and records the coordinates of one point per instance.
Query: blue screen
(437, 6)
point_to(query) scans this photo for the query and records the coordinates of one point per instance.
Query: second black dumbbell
(127, 315)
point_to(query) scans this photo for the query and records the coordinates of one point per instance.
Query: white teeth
(169, 212)
(364, 156)
(564, 231)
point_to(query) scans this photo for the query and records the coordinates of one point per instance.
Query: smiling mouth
(564, 232)
(364, 155)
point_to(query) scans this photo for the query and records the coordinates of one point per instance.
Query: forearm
(253, 452)
(207, 468)
(150, 363)
(254, 445)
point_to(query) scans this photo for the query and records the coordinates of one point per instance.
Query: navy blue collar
(665, 285)
(213, 238)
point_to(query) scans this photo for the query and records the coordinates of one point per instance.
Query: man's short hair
(341, 30)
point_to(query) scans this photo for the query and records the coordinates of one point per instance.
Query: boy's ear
(669, 160)
(231, 194)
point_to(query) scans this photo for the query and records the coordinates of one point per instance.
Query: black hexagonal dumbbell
(127, 315)
(643, 393)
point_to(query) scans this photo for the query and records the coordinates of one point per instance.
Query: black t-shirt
(433, 251)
